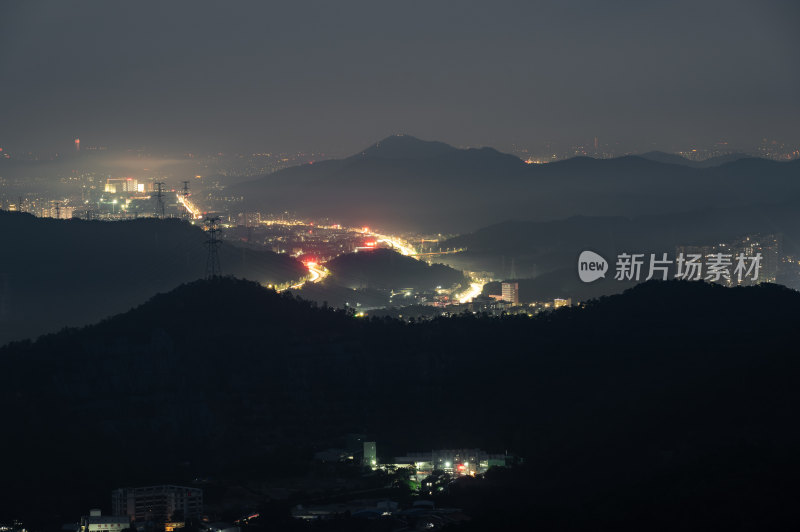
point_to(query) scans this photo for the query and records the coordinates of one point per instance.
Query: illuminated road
(396, 243)
(194, 211)
(437, 253)
(317, 274)
(473, 291)
(476, 285)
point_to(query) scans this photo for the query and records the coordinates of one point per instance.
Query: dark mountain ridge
(387, 269)
(541, 247)
(74, 272)
(404, 182)
(639, 407)
(407, 147)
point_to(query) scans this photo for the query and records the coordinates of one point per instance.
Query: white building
(511, 293)
(96, 522)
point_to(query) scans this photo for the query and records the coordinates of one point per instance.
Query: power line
(186, 198)
(159, 199)
(213, 269)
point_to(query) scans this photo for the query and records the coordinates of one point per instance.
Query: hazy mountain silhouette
(409, 183)
(74, 272)
(541, 247)
(641, 406)
(408, 147)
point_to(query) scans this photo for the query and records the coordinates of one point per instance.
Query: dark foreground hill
(328, 292)
(57, 273)
(388, 269)
(404, 182)
(671, 406)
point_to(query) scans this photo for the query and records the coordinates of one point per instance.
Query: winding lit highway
(476, 285)
(317, 272)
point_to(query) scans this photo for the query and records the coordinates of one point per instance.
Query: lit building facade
(62, 212)
(157, 503)
(511, 293)
(558, 302)
(370, 454)
(120, 185)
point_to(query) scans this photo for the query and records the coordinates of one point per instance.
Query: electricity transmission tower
(186, 198)
(213, 269)
(159, 199)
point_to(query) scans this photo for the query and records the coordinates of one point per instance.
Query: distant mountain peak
(407, 147)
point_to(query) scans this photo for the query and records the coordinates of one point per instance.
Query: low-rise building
(97, 522)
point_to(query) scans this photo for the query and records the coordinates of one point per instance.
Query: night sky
(337, 76)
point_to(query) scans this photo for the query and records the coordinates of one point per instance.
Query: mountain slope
(404, 182)
(388, 269)
(685, 390)
(73, 272)
(540, 247)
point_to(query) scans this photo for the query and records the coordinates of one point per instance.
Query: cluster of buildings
(166, 507)
(111, 198)
(304, 240)
(15, 526)
(768, 246)
(768, 149)
(123, 197)
(40, 207)
(453, 462)
(429, 470)
(162, 504)
(318, 241)
(508, 302)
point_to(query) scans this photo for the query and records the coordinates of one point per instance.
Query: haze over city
(332, 77)
(389, 267)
